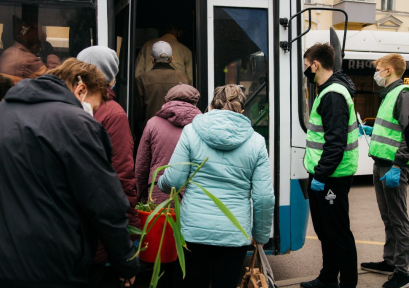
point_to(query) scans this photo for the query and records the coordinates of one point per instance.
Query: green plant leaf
(178, 227)
(224, 209)
(193, 175)
(157, 170)
(156, 266)
(179, 246)
(134, 231)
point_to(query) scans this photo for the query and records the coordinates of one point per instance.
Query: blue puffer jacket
(237, 172)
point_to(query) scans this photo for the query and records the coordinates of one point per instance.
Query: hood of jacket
(46, 88)
(222, 129)
(178, 113)
(111, 94)
(340, 78)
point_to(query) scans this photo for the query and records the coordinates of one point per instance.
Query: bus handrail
(261, 117)
(286, 45)
(255, 94)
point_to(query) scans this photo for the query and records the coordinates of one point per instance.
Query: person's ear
(314, 64)
(171, 59)
(80, 90)
(153, 60)
(242, 111)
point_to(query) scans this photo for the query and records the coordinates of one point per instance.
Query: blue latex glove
(317, 185)
(392, 177)
(368, 130)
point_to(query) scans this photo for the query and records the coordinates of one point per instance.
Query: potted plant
(159, 214)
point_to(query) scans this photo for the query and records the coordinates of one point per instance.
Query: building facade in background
(375, 15)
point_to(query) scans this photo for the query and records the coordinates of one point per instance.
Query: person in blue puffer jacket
(238, 173)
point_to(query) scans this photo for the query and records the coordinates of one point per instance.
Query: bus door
(240, 52)
(121, 38)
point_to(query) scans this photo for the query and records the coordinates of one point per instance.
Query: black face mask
(310, 76)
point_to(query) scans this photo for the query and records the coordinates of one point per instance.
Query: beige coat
(182, 57)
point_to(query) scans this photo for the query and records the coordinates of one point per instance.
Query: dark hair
(5, 85)
(229, 97)
(323, 53)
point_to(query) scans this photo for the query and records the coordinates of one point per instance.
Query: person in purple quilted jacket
(159, 139)
(161, 135)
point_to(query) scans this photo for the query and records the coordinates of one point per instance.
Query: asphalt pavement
(368, 230)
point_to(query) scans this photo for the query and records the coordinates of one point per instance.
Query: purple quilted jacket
(158, 141)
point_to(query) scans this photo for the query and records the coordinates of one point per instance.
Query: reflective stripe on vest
(387, 133)
(316, 141)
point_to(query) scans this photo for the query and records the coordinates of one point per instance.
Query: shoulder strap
(253, 258)
(265, 266)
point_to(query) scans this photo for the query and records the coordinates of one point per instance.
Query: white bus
(232, 41)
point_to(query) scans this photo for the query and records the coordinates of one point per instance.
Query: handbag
(261, 277)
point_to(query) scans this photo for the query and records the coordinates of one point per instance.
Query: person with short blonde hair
(393, 60)
(391, 171)
(58, 190)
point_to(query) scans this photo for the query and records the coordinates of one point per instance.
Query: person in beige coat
(182, 56)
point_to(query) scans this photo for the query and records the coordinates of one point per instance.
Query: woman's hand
(254, 243)
(129, 282)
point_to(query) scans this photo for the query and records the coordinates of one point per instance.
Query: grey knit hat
(183, 92)
(102, 57)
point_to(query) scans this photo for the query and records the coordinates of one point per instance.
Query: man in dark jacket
(152, 86)
(58, 190)
(390, 174)
(331, 158)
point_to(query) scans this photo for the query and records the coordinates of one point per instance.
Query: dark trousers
(331, 224)
(217, 265)
(394, 213)
(102, 276)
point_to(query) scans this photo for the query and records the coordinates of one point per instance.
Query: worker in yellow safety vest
(390, 174)
(331, 159)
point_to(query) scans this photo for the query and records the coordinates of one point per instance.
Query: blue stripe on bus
(299, 216)
(294, 220)
(285, 229)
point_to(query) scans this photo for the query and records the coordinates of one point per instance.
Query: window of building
(388, 5)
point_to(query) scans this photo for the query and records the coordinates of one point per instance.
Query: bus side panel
(285, 229)
(294, 220)
(300, 208)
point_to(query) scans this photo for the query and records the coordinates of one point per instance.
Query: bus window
(241, 57)
(39, 36)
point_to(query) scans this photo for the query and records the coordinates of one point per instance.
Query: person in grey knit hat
(114, 119)
(104, 58)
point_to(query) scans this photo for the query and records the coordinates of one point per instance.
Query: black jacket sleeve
(335, 115)
(401, 113)
(99, 193)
